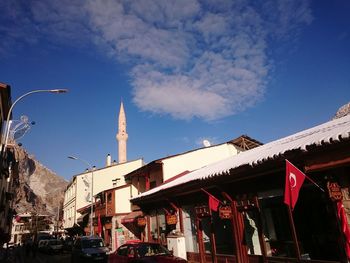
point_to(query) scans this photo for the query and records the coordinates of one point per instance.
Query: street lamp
(4, 143)
(92, 188)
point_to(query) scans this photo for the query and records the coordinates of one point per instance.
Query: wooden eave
(144, 170)
(245, 142)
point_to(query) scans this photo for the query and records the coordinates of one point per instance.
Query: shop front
(235, 210)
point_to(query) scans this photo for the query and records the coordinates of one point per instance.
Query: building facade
(27, 225)
(158, 173)
(8, 169)
(234, 211)
(77, 201)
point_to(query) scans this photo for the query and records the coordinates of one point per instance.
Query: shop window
(159, 228)
(154, 226)
(205, 221)
(276, 227)
(251, 236)
(190, 230)
(162, 228)
(317, 226)
(223, 235)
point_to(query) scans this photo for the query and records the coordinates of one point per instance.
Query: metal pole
(294, 234)
(92, 203)
(4, 144)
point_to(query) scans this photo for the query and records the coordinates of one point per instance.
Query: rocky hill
(342, 111)
(40, 190)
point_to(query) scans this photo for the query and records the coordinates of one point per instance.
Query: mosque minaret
(122, 136)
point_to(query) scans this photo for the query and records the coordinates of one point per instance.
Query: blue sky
(186, 71)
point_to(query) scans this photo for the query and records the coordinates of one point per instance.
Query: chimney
(108, 160)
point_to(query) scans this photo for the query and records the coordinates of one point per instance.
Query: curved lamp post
(92, 188)
(4, 144)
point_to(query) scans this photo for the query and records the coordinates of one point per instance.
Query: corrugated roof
(326, 133)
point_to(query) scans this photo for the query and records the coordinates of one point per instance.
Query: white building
(77, 201)
(28, 225)
(78, 192)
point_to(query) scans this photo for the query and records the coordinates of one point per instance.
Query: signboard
(202, 211)
(171, 219)
(225, 212)
(141, 221)
(334, 191)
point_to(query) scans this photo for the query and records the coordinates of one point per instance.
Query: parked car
(68, 244)
(54, 246)
(143, 252)
(89, 249)
(42, 245)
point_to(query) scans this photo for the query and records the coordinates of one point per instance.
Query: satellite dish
(87, 197)
(206, 143)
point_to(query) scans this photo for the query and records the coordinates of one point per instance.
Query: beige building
(78, 192)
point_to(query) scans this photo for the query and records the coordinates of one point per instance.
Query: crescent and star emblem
(292, 180)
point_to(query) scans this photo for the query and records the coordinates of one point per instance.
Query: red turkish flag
(213, 203)
(344, 226)
(294, 180)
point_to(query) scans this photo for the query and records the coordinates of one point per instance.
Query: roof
(245, 142)
(131, 217)
(326, 133)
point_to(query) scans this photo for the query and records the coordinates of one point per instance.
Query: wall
(69, 205)
(103, 177)
(122, 197)
(196, 159)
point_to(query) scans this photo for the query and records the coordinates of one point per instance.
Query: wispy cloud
(190, 59)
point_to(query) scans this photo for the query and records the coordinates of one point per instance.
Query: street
(18, 255)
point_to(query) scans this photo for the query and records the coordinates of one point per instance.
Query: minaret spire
(122, 136)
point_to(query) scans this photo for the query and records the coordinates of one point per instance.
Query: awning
(75, 229)
(81, 218)
(131, 217)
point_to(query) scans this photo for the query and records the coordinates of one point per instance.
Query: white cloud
(191, 59)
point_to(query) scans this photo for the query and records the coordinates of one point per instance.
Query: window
(123, 251)
(153, 184)
(276, 227)
(92, 243)
(223, 235)
(190, 230)
(251, 236)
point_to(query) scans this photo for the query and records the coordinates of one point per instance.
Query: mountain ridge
(39, 189)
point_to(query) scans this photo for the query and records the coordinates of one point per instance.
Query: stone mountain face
(342, 111)
(40, 190)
